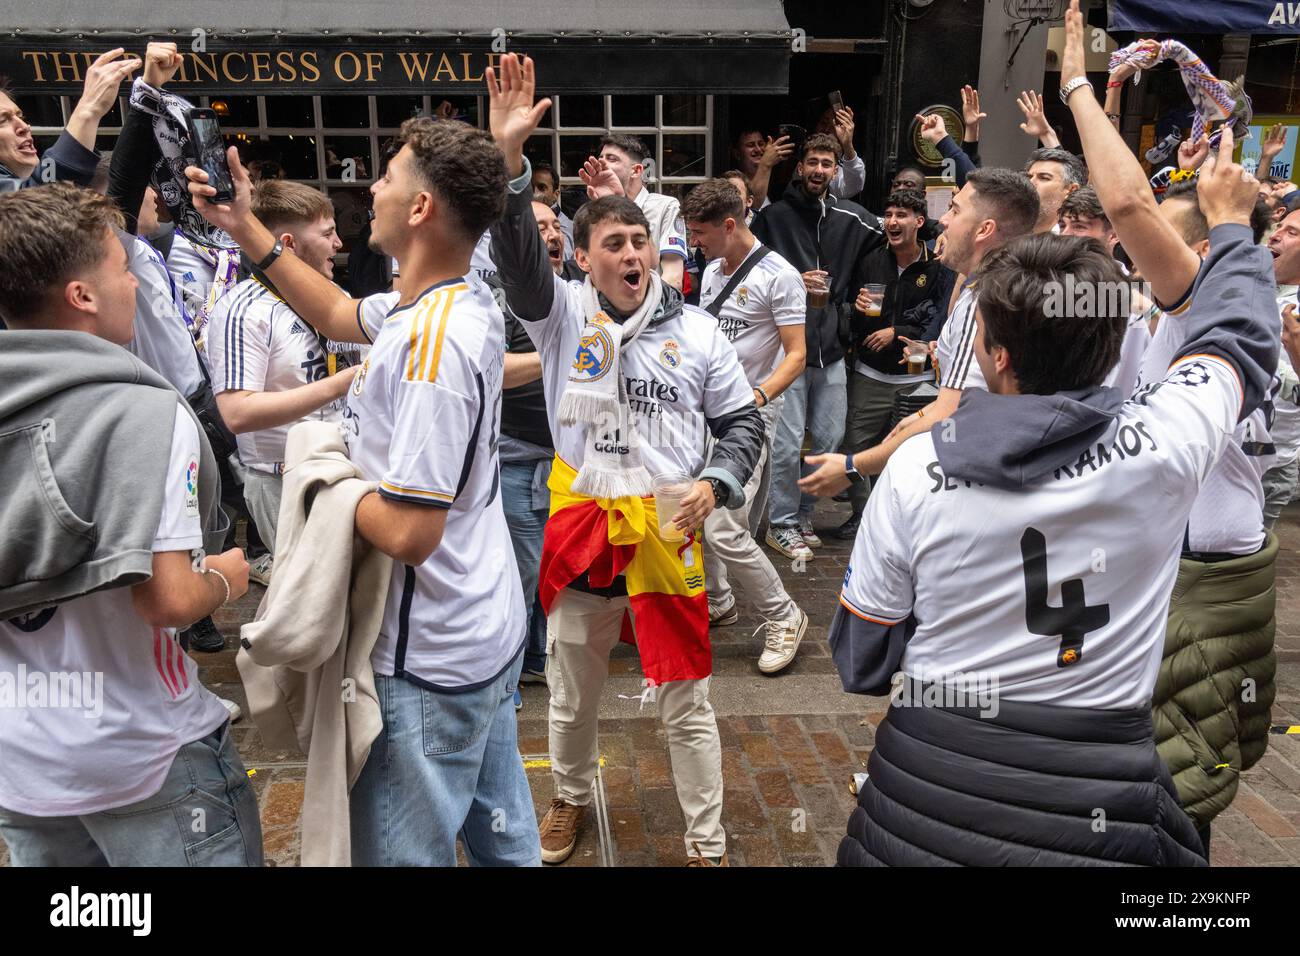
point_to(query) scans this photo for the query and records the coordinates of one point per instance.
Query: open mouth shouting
(632, 280)
(555, 249)
(27, 146)
(894, 234)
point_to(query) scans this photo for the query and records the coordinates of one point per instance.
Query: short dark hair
(1076, 174)
(463, 166)
(636, 149)
(619, 209)
(745, 131)
(820, 143)
(1261, 217)
(1192, 224)
(908, 199)
(714, 201)
(737, 174)
(1052, 353)
(909, 168)
(1008, 198)
(550, 171)
(48, 235)
(1084, 202)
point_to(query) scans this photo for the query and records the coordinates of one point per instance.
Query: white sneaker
(722, 618)
(809, 535)
(782, 641)
(260, 570)
(789, 542)
(232, 708)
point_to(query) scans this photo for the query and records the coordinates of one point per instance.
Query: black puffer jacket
(1032, 786)
(831, 234)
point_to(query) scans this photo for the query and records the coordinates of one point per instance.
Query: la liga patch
(192, 487)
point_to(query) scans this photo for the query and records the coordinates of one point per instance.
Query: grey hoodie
(85, 436)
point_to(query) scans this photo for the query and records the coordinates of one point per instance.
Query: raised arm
(98, 95)
(136, 150)
(1157, 250)
(329, 309)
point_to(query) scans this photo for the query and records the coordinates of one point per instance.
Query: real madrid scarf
(1212, 98)
(597, 398)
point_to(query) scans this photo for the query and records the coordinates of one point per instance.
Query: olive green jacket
(1215, 686)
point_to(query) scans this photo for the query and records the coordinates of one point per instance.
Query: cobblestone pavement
(790, 743)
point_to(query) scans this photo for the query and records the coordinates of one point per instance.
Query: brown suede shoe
(699, 859)
(559, 830)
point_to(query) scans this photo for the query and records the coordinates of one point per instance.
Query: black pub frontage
(319, 85)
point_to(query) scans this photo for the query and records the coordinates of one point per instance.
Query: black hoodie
(827, 233)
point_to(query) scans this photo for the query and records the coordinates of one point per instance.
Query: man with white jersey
(1029, 687)
(1220, 628)
(758, 299)
(1280, 481)
(626, 156)
(99, 763)
(993, 208)
(635, 384)
(450, 648)
(270, 368)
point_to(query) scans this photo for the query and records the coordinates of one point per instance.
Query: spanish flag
(669, 620)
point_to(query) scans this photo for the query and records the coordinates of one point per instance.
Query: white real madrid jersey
(956, 349)
(771, 295)
(678, 373)
(95, 703)
(1058, 591)
(423, 418)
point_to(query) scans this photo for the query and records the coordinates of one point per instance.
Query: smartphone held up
(207, 150)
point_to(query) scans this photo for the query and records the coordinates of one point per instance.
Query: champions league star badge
(1193, 374)
(671, 356)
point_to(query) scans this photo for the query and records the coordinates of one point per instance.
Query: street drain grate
(604, 841)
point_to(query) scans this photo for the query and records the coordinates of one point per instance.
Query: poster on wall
(1284, 163)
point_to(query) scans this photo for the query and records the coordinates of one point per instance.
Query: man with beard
(917, 287)
(826, 239)
(1055, 174)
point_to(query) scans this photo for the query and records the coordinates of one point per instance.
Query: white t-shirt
(1228, 516)
(423, 418)
(128, 697)
(677, 373)
(256, 343)
(162, 336)
(988, 573)
(958, 367)
(667, 230)
(771, 295)
(1132, 353)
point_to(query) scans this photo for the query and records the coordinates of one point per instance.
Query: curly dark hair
(1053, 349)
(463, 166)
(908, 199)
(821, 143)
(619, 209)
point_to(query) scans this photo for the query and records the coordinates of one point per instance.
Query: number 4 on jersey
(1073, 619)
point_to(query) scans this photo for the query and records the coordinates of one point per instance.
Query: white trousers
(581, 630)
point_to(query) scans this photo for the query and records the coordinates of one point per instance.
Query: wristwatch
(1073, 85)
(720, 493)
(851, 472)
(270, 257)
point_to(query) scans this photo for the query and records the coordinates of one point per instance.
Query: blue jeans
(816, 401)
(526, 511)
(204, 815)
(445, 765)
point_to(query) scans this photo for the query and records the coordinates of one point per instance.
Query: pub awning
(409, 46)
(1258, 17)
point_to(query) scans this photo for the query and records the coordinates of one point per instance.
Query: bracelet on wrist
(766, 401)
(224, 581)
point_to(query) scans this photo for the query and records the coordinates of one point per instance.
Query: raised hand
(933, 128)
(599, 179)
(105, 75)
(776, 151)
(514, 115)
(161, 62)
(844, 127)
(1035, 124)
(970, 112)
(1073, 57)
(1192, 154)
(1227, 192)
(1274, 142)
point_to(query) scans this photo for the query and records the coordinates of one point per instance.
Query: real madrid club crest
(742, 296)
(359, 382)
(671, 356)
(595, 352)
(920, 281)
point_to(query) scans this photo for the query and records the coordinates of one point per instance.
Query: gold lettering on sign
(413, 64)
(262, 67)
(225, 67)
(469, 79)
(210, 67)
(356, 67)
(312, 64)
(374, 61)
(36, 63)
(288, 72)
(59, 68)
(444, 66)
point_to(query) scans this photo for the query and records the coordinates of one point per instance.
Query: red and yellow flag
(604, 537)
